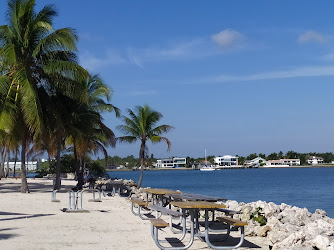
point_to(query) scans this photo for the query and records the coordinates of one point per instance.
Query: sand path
(32, 221)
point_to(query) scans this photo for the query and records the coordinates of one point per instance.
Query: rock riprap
(287, 227)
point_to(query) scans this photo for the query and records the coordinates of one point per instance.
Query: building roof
(315, 158)
(276, 161)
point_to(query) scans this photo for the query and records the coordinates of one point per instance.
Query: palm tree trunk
(16, 152)
(2, 166)
(141, 156)
(8, 158)
(57, 184)
(80, 166)
(77, 168)
(24, 184)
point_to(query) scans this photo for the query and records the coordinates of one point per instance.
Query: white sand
(32, 221)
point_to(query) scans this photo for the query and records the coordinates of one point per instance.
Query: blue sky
(232, 77)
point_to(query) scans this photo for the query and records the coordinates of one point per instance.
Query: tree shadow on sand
(26, 217)
(7, 236)
(10, 213)
(33, 187)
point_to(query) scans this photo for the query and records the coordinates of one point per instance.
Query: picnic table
(116, 186)
(193, 197)
(158, 194)
(193, 208)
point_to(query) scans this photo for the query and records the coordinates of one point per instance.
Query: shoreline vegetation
(226, 168)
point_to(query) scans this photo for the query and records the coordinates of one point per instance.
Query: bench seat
(228, 212)
(164, 210)
(233, 222)
(159, 223)
(138, 202)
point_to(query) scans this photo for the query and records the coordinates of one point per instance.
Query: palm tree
(140, 125)
(34, 58)
(84, 124)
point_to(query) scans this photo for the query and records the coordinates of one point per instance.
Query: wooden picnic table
(160, 191)
(193, 197)
(197, 205)
(193, 208)
(158, 194)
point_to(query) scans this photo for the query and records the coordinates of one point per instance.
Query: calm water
(303, 187)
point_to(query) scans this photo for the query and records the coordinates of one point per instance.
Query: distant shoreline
(159, 169)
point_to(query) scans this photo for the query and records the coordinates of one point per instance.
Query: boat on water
(207, 167)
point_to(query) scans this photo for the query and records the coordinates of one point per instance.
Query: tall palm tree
(140, 126)
(84, 124)
(34, 58)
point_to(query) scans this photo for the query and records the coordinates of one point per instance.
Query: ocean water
(312, 188)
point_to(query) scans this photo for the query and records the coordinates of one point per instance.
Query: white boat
(206, 167)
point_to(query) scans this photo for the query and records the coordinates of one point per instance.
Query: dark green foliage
(67, 165)
(272, 156)
(291, 155)
(262, 156)
(241, 160)
(259, 217)
(251, 156)
(95, 169)
(43, 169)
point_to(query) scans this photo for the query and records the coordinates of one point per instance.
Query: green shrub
(259, 217)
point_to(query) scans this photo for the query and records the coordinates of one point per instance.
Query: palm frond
(161, 129)
(61, 39)
(128, 139)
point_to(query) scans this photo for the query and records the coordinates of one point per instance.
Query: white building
(314, 160)
(285, 162)
(291, 162)
(255, 162)
(276, 163)
(171, 162)
(226, 160)
(31, 165)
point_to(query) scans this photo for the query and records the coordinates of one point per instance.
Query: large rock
(246, 213)
(262, 231)
(321, 242)
(270, 209)
(288, 227)
(293, 241)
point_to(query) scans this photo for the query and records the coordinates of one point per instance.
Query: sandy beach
(32, 221)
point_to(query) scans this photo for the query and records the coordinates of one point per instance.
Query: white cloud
(312, 36)
(227, 38)
(176, 51)
(289, 73)
(92, 62)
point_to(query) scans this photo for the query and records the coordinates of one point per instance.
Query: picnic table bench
(141, 204)
(54, 192)
(164, 210)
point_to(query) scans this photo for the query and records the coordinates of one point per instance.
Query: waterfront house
(275, 162)
(314, 160)
(30, 165)
(291, 162)
(285, 162)
(171, 162)
(226, 160)
(255, 162)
